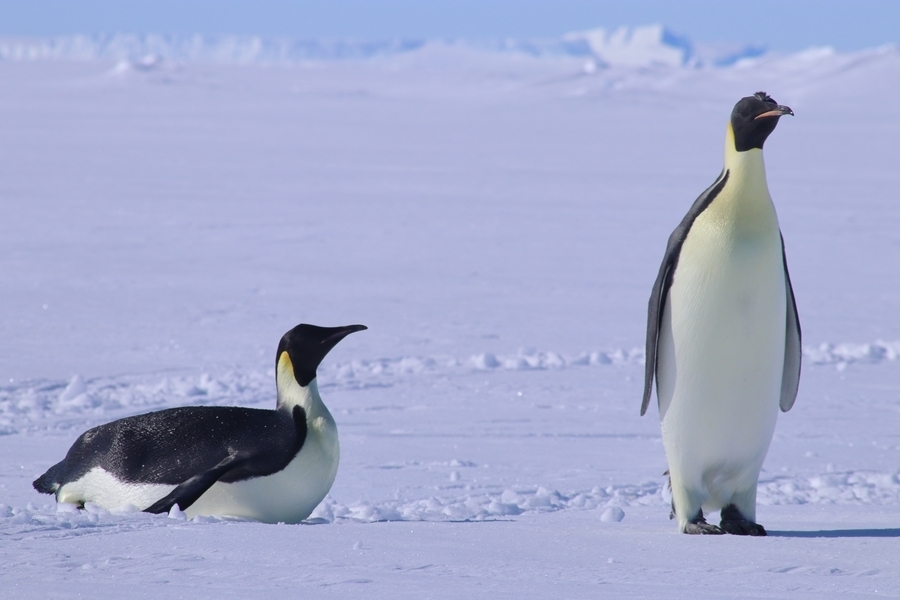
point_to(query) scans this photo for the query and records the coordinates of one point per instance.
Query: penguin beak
(778, 111)
(341, 333)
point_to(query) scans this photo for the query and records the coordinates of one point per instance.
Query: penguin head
(302, 348)
(753, 119)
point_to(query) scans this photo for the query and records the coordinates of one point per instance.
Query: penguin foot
(735, 523)
(699, 526)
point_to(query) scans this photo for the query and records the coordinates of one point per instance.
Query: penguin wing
(793, 351)
(655, 308)
(660, 293)
(189, 491)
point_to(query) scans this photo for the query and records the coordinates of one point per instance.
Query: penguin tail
(669, 488)
(50, 481)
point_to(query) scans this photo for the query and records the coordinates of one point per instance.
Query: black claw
(703, 528)
(735, 523)
(699, 526)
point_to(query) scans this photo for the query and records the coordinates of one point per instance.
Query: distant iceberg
(656, 45)
(635, 47)
(626, 47)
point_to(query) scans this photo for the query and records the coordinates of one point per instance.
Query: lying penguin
(723, 336)
(268, 465)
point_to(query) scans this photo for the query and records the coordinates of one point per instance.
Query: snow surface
(497, 220)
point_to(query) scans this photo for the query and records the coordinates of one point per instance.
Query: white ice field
(497, 221)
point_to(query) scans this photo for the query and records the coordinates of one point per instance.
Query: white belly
(288, 496)
(720, 360)
(103, 489)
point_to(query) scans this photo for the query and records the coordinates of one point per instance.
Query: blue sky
(784, 25)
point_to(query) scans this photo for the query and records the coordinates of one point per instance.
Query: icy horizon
(630, 47)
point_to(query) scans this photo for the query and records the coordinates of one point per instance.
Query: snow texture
(495, 214)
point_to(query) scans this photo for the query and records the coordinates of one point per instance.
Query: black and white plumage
(723, 337)
(269, 465)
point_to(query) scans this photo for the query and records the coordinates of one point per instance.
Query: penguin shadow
(839, 533)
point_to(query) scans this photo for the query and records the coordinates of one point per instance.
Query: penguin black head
(753, 119)
(306, 346)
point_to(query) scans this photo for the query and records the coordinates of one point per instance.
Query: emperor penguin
(268, 465)
(723, 337)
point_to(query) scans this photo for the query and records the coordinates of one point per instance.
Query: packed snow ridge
(56, 404)
(628, 47)
(473, 503)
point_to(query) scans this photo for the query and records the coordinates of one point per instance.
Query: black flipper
(664, 278)
(793, 351)
(188, 492)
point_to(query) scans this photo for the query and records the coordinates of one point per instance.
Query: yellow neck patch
(284, 363)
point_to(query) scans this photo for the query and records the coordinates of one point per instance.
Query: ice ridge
(60, 405)
(629, 47)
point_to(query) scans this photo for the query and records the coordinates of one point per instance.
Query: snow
(496, 219)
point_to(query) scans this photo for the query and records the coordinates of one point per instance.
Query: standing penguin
(269, 465)
(723, 338)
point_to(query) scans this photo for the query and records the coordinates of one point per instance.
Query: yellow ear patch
(284, 362)
(729, 136)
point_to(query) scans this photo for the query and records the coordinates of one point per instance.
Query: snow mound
(613, 514)
(845, 354)
(850, 487)
(491, 506)
(62, 406)
(66, 521)
(146, 64)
